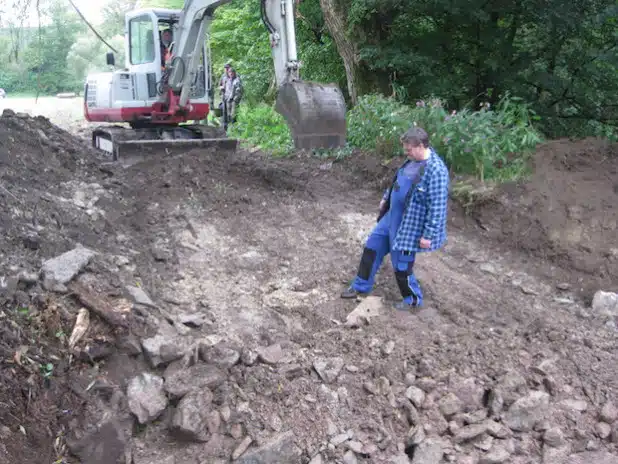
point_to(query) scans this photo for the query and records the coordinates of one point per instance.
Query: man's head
(231, 72)
(166, 37)
(227, 67)
(415, 143)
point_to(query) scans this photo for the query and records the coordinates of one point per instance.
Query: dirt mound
(566, 212)
(38, 162)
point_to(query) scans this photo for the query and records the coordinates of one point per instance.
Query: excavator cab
(167, 82)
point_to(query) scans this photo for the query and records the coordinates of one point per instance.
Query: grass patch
(262, 127)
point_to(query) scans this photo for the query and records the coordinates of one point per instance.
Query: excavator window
(142, 40)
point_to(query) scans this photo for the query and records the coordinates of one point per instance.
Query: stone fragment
(469, 432)
(388, 347)
(603, 430)
(219, 355)
(605, 303)
(248, 357)
(553, 437)
(241, 448)
(575, 405)
(349, 458)
(449, 405)
(139, 296)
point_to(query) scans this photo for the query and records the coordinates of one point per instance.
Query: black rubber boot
(350, 293)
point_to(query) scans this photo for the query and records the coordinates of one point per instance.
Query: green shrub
(376, 123)
(487, 143)
(263, 127)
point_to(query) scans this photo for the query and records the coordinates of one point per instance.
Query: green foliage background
(514, 71)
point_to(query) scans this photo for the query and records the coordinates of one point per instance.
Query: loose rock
(553, 437)
(524, 413)
(609, 413)
(241, 448)
(497, 455)
(161, 349)
(603, 430)
(146, 397)
(428, 452)
(328, 369)
(139, 296)
(64, 268)
(190, 420)
(218, 355)
(469, 432)
(416, 396)
(272, 354)
(195, 377)
(349, 458)
(280, 448)
(449, 405)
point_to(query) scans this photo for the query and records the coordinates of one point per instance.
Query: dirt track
(243, 259)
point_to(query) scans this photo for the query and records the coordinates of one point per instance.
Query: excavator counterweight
(160, 90)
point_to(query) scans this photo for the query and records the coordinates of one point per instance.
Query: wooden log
(114, 314)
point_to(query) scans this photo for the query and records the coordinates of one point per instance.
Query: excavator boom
(158, 95)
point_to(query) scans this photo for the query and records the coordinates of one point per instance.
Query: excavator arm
(314, 112)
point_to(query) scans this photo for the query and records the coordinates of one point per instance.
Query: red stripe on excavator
(199, 111)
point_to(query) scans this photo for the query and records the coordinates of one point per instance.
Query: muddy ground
(210, 282)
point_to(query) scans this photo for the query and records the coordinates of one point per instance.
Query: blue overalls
(383, 235)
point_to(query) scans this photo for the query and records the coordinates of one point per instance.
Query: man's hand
(425, 243)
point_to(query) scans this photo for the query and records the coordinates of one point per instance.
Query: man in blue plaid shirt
(412, 219)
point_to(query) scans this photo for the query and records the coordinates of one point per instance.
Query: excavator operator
(166, 42)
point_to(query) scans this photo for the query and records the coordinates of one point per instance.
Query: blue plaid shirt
(425, 214)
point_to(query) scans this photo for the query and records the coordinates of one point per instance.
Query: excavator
(156, 100)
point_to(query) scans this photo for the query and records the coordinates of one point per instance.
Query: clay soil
(240, 253)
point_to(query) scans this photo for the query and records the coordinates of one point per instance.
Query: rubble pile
(180, 311)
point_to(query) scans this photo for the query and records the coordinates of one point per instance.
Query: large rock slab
(371, 307)
(62, 269)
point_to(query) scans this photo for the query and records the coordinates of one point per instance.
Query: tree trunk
(334, 17)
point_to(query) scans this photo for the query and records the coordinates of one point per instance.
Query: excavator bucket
(315, 114)
(123, 143)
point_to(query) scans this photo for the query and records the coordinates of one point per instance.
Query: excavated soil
(216, 331)
(566, 213)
